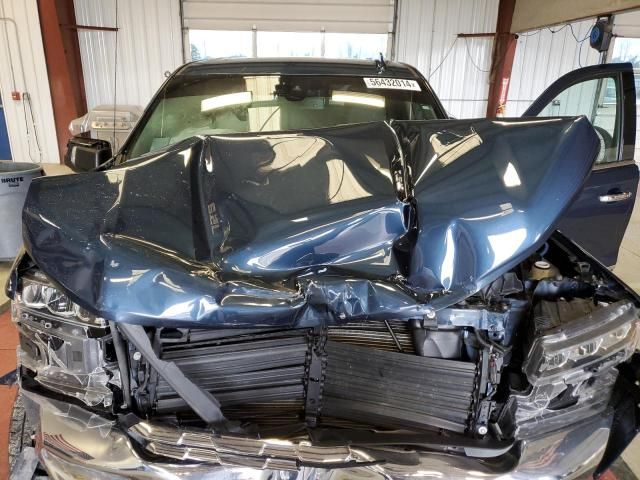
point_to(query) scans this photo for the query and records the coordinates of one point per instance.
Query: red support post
(504, 50)
(64, 66)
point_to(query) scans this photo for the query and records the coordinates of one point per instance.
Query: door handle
(615, 197)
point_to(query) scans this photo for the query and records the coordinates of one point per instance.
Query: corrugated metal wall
(149, 44)
(347, 16)
(30, 125)
(426, 32)
(543, 56)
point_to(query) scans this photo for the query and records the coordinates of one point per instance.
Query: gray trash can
(15, 179)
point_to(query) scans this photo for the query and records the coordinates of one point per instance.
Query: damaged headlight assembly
(589, 344)
(38, 294)
(575, 346)
(63, 347)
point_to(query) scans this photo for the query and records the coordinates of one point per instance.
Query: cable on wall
(27, 106)
(466, 44)
(580, 42)
(443, 59)
(115, 77)
(473, 62)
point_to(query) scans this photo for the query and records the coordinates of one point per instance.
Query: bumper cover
(73, 442)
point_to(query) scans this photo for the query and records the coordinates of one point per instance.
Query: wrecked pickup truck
(329, 280)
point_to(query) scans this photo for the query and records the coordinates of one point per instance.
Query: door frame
(624, 71)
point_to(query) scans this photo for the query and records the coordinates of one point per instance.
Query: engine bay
(534, 349)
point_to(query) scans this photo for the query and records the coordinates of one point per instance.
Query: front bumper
(75, 443)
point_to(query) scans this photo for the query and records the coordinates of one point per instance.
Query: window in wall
(219, 43)
(626, 50)
(289, 44)
(355, 45)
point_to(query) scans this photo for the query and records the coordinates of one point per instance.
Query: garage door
(354, 16)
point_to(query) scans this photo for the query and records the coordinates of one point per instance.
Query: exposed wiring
(27, 106)
(553, 32)
(6, 38)
(444, 58)
(529, 34)
(581, 42)
(471, 58)
(561, 28)
(449, 53)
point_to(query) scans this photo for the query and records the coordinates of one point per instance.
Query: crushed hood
(361, 221)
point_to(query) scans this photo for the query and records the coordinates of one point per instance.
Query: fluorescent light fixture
(222, 101)
(511, 177)
(358, 98)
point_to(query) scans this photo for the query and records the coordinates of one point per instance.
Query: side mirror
(86, 154)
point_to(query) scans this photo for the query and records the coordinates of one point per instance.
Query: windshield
(222, 104)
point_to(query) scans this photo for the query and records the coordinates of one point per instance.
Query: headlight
(600, 339)
(37, 293)
(63, 347)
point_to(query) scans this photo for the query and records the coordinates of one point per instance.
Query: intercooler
(369, 377)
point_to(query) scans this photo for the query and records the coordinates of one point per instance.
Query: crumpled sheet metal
(98, 448)
(489, 192)
(51, 370)
(302, 228)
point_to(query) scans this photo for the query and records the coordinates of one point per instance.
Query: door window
(597, 99)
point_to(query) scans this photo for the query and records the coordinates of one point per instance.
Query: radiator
(396, 390)
(262, 378)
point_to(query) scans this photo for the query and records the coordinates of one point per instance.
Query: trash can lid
(8, 167)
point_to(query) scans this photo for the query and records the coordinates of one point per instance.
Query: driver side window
(599, 100)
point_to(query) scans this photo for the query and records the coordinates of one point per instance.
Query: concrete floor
(627, 268)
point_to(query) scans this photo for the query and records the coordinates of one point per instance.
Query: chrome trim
(183, 444)
(95, 447)
(615, 197)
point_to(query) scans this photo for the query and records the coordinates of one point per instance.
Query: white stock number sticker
(395, 83)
